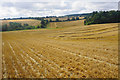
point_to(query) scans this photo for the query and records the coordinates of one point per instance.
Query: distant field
(34, 22)
(66, 24)
(76, 51)
(31, 22)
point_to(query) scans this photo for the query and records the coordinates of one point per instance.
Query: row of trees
(103, 17)
(68, 19)
(38, 18)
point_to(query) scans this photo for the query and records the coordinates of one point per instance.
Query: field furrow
(72, 52)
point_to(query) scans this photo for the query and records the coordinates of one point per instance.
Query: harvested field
(66, 24)
(72, 52)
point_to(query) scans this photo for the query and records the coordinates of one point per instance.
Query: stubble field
(72, 52)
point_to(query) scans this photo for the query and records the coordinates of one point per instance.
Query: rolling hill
(31, 22)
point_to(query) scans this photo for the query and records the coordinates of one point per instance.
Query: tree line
(47, 17)
(103, 17)
(68, 19)
(81, 15)
(38, 18)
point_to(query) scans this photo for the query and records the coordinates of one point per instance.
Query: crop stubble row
(36, 55)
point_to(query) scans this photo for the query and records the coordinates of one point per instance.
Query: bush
(16, 26)
(44, 23)
(73, 18)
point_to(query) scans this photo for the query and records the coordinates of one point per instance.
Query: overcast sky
(38, 8)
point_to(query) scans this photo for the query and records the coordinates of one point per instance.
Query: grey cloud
(26, 9)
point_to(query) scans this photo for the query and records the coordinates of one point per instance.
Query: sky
(40, 8)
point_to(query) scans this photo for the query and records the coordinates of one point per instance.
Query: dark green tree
(38, 26)
(43, 23)
(4, 27)
(73, 18)
(77, 18)
(50, 20)
(47, 21)
(26, 25)
(68, 19)
(57, 20)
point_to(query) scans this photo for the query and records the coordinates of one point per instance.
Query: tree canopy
(103, 17)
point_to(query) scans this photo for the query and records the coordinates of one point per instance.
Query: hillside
(76, 51)
(23, 24)
(31, 22)
(66, 24)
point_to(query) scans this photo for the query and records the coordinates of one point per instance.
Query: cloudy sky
(38, 8)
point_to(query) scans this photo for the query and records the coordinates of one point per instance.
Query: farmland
(66, 24)
(31, 22)
(76, 51)
(34, 22)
